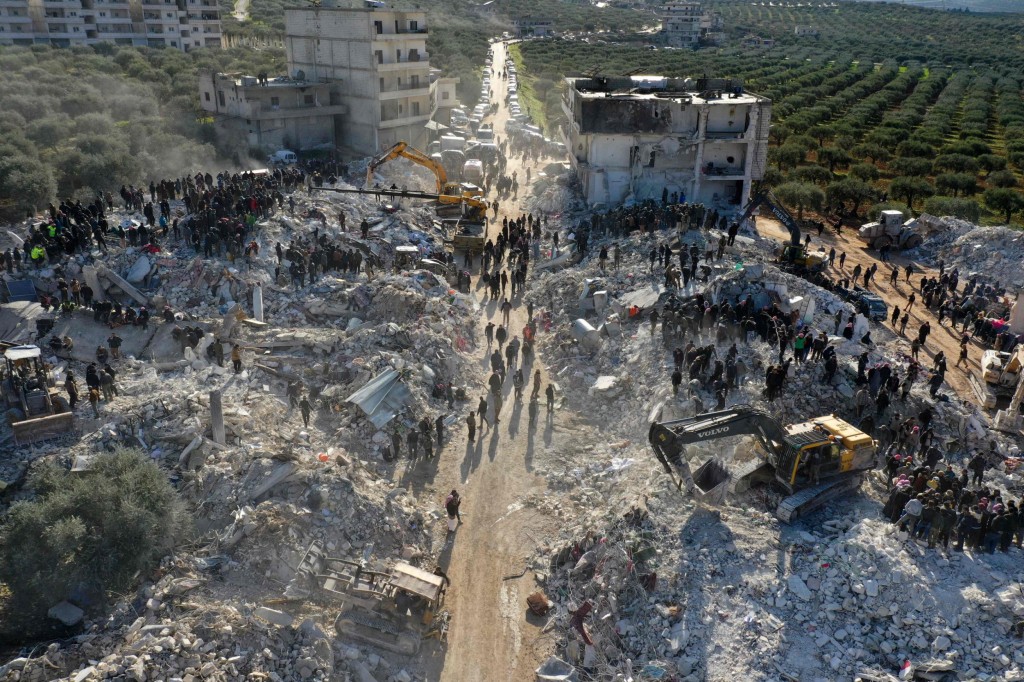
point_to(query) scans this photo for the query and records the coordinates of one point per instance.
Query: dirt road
(491, 637)
(942, 336)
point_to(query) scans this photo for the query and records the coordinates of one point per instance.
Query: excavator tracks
(800, 503)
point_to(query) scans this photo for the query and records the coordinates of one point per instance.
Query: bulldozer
(394, 610)
(787, 457)
(891, 230)
(34, 408)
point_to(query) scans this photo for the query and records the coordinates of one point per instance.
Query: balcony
(422, 61)
(395, 92)
(263, 112)
(712, 172)
(419, 119)
(724, 134)
(403, 34)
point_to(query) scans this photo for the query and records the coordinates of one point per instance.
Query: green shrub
(86, 533)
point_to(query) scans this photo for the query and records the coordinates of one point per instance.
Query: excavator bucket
(711, 482)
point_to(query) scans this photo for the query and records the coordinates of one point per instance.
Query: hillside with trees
(83, 119)
(933, 121)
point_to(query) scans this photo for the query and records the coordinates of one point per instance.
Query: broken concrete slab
(122, 284)
(66, 612)
(274, 616)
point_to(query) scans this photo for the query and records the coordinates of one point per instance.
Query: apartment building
(633, 137)
(379, 56)
(687, 25)
(443, 98)
(176, 24)
(272, 113)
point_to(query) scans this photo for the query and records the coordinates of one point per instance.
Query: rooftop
(660, 87)
(248, 81)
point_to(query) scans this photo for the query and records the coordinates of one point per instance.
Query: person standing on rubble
(439, 428)
(306, 408)
(236, 358)
(412, 441)
(71, 386)
(114, 341)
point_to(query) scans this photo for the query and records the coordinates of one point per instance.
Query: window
(220, 96)
(414, 26)
(206, 95)
(414, 82)
(275, 102)
(397, 30)
(380, 56)
(399, 108)
(415, 108)
(399, 82)
(378, 26)
(444, 94)
(309, 100)
(398, 55)
(382, 85)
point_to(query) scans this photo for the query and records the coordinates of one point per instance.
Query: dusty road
(492, 637)
(942, 336)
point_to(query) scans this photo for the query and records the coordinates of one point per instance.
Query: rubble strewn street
(306, 404)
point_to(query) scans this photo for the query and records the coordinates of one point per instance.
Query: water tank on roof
(249, 81)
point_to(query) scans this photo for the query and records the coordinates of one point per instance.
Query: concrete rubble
(272, 487)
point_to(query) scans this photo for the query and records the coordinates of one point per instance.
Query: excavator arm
(416, 156)
(668, 438)
(780, 213)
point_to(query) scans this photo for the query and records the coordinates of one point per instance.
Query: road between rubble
(942, 336)
(492, 637)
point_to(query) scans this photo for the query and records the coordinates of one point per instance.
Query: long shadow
(471, 457)
(492, 445)
(514, 418)
(549, 426)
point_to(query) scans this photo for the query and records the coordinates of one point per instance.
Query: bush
(86, 534)
(965, 209)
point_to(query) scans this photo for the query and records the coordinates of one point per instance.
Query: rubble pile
(666, 589)
(993, 252)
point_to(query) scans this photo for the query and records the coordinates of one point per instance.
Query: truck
(871, 306)
(473, 171)
(282, 157)
(34, 408)
(891, 230)
(785, 456)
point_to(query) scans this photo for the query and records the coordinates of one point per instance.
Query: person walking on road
(451, 507)
(550, 393)
(481, 411)
(536, 384)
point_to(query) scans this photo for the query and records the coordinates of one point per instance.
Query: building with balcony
(443, 98)
(526, 27)
(688, 25)
(176, 24)
(379, 58)
(272, 114)
(633, 137)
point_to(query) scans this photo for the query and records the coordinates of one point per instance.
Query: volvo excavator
(469, 196)
(794, 253)
(811, 462)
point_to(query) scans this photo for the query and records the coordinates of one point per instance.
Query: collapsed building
(650, 137)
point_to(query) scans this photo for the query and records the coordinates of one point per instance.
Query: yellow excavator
(470, 196)
(841, 452)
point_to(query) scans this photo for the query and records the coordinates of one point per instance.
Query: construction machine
(449, 192)
(998, 378)
(891, 230)
(34, 408)
(794, 253)
(787, 456)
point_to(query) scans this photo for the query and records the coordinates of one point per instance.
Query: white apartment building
(633, 137)
(687, 25)
(443, 98)
(176, 24)
(380, 58)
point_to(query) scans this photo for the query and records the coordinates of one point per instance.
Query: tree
(965, 209)
(801, 195)
(787, 156)
(1005, 201)
(871, 152)
(849, 190)
(912, 166)
(25, 184)
(956, 183)
(813, 173)
(991, 163)
(1002, 178)
(821, 133)
(914, 148)
(834, 156)
(956, 163)
(910, 188)
(88, 533)
(867, 172)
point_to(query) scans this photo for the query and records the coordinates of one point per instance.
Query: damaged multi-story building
(637, 137)
(689, 25)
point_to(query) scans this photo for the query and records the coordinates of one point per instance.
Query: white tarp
(382, 397)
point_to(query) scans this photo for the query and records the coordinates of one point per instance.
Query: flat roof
(654, 87)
